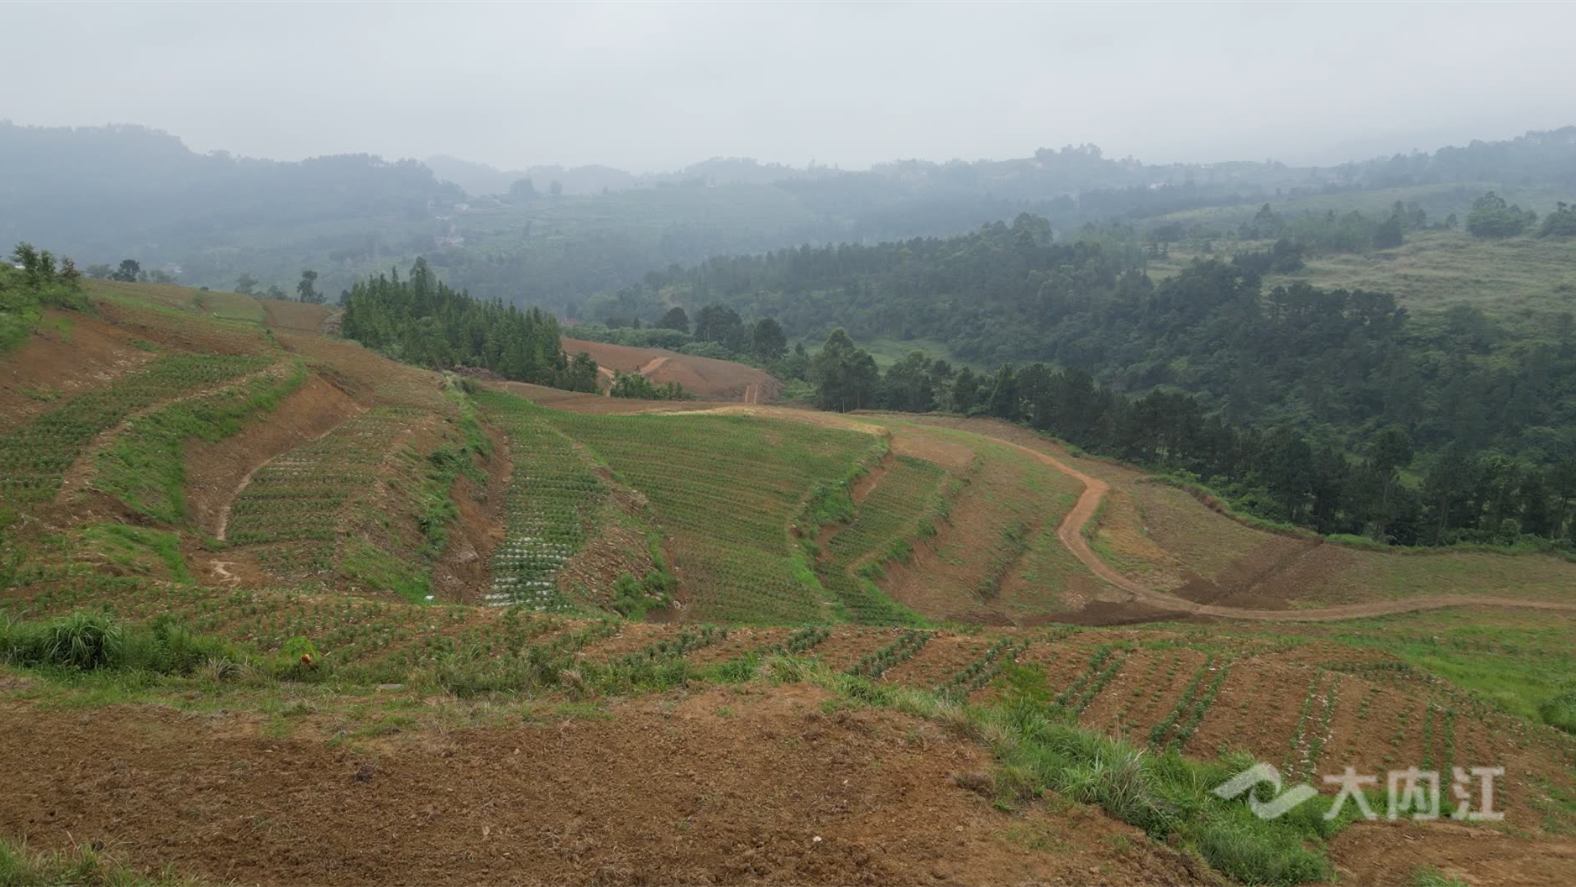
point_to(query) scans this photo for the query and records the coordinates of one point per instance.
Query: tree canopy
(421, 320)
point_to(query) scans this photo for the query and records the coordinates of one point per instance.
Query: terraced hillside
(277, 609)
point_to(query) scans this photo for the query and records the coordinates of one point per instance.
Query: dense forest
(1339, 365)
(421, 320)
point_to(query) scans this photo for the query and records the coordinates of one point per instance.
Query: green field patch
(143, 466)
(34, 457)
(884, 525)
(552, 498)
(725, 490)
(299, 499)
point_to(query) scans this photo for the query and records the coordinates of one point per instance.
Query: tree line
(421, 320)
(1337, 365)
(718, 331)
(1461, 495)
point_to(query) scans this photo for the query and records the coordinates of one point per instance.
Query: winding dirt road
(1070, 532)
(1071, 535)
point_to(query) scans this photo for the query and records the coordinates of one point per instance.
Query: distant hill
(102, 194)
(480, 178)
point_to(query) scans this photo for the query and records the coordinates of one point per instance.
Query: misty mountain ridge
(102, 194)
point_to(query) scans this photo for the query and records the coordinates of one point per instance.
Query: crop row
(34, 457)
(804, 640)
(1298, 744)
(1188, 724)
(982, 670)
(1160, 733)
(295, 505)
(882, 526)
(874, 665)
(1103, 666)
(552, 497)
(725, 489)
(676, 647)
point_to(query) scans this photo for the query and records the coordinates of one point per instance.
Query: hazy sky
(649, 86)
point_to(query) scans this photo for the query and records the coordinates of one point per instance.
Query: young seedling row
(297, 501)
(884, 526)
(874, 665)
(552, 497)
(35, 456)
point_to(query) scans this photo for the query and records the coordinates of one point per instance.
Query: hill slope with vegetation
(243, 558)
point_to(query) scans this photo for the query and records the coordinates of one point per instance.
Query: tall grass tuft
(81, 641)
(87, 641)
(82, 866)
(1561, 711)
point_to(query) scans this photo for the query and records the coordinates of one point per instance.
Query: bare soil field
(704, 377)
(68, 353)
(715, 787)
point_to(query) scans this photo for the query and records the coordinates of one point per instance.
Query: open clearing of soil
(704, 377)
(718, 787)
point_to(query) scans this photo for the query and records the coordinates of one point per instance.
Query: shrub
(82, 641)
(1428, 876)
(1257, 853)
(1561, 711)
(21, 867)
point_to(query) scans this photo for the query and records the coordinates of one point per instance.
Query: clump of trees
(1491, 216)
(42, 273)
(718, 331)
(1353, 231)
(307, 290)
(634, 385)
(845, 376)
(421, 320)
(1560, 223)
(37, 279)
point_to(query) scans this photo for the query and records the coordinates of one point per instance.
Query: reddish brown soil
(1135, 674)
(943, 657)
(463, 571)
(719, 787)
(1385, 854)
(846, 647)
(704, 377)
(631, 638)
(215, 472)
(941, 578)
(739, 642)
(52, 364)
(296, 316)
(367, 376)
(1255, 581)
(177, 333)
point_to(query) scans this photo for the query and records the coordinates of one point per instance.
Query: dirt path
(1071, 535)
(76, 479)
